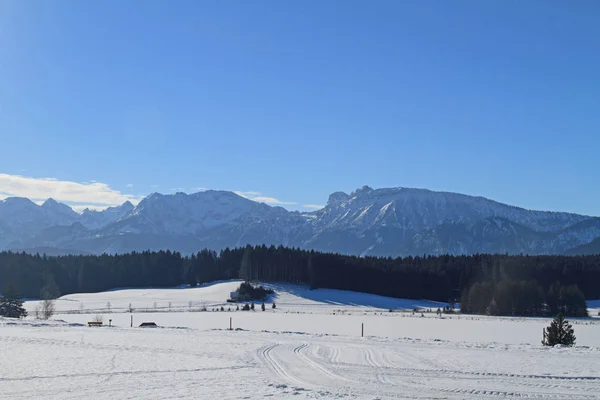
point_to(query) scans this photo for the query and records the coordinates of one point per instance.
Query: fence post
(362, 330)
(132, 321)
(230, 324)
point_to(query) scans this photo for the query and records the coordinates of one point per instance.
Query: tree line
(443, 278)
(523, 298)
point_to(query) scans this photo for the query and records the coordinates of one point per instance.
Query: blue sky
(289, 101)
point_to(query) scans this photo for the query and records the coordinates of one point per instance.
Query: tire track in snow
(118, 373)
(315, 365)
(265, 355)
(523, 385)
(111, 368)
(95, 346)
(369, 357)
(507, 394)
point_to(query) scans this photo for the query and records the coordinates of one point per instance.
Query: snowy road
(63, 361)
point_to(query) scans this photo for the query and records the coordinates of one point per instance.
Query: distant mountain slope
(587, 249)
(383, 222)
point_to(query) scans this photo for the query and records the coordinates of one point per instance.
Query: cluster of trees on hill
(443, 278)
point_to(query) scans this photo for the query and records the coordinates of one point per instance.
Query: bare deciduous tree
(48, 308)
(37, 311)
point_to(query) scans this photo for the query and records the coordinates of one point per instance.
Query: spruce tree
(262, 307)
(560, 331)
(11, 305)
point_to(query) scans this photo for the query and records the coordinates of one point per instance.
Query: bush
(246, 307)
(262, 307)
(99, 318)
(274, 307)
(559, 332)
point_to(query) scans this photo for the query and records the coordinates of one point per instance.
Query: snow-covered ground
(309, 347)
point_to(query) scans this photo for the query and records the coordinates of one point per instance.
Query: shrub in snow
(560, 332)
(99, 318)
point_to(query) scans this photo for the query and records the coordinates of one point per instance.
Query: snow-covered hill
(383, 222)
(215, 294)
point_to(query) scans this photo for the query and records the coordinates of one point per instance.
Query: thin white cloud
(313, 206)
(198, 189)
(130, 185)
(259, 197)
(153, 186)
(39, 189)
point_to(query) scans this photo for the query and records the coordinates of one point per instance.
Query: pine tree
(560, 331)
(275, 306)
(262, 307)
(252, 306)
(11, 305)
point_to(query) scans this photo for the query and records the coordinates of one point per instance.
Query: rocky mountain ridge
(382, 222)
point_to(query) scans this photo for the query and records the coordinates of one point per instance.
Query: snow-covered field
(309, 347)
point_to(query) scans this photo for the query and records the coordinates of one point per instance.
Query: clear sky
(289, 101)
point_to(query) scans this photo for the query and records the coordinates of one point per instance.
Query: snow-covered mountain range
(382, 222)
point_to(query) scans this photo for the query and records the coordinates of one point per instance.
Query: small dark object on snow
(148, 325)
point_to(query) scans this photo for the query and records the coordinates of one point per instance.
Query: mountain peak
(337, 198)
(362, 191)
(50, 202)
(127, 205)
(18, 201)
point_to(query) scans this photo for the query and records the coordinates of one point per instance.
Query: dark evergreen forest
(444, 278)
